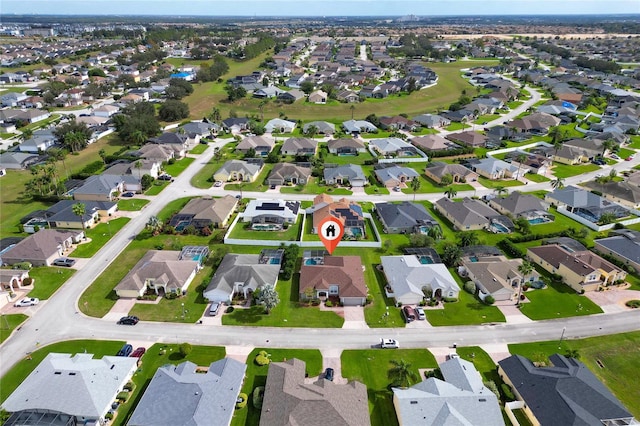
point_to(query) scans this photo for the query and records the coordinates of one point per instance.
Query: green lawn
(257, 185)
(99, 235)
(132, 204)
(557, 301)
(156, 188)
(199, 149)
(536, 178)
(493, 184)
(635, 142)
(309, 236)
(427, 186)
(347, 159)
(288, 313)
(468, 310)
(314, 186)
(565, 170)
(178, 167)
(22, 369)
(243, 230)
(48, 280)
(157, 356)
(371, 366)
(483, 119)
(257, 376)
(618, 353)
(8, 323)
(624, 153)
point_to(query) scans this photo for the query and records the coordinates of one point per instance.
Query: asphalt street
(59, 318)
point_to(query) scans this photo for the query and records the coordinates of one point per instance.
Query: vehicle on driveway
(64, 261)
(631, 157)
(213, 309)
(165, 177)
(138, 352)
(128, 194)
(420, 313)
(389, 344)
(28, 301)
(328, 374)
(614, 156)
(125, 351)
(409, 315)
(128, 320)
(218, 184)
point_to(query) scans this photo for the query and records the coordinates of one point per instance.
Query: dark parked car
(125, 351)
(128, 194)
(328, 374)
(64, 261)
(165, 177)
(409, 315)
(129, 320)
(138, 352)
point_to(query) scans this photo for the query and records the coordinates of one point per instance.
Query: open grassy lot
(618, 353)
(536, 178)
(243, 230)
(371, 366)
(557, 301)
(256, 375)
(178, 167)
(157, 187)
(8, 323)
(565, 170)
(288, 313)
(157, 356)
(99, 236)
(48, 280)
(22, 369)
(15, 204)
(132, 204)
(448, 90)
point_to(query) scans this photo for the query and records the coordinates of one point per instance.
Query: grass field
(132, 204)
(565, 170)
(617, 353)
(48, 280)
(156, 188)
(178, 167)
(536, 178)
(371, 366)
(557, 301)
(493, 184)
(8, 323)
(199, 149)
(99, 235)
(256, 375)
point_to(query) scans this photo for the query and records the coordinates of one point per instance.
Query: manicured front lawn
(157, 356)
(624, 153)
(565, 170)
(8, 323)
(557, 301)
(309, 236)
(288, 313)
(536, 178)
(618, 353)
(466, 311)
(48, 280)
(199, 149)
(132, 204)
(178, 167)
(371, 366)
(428, 186)
(99, 236)
(314, 186)
(157, 187)
(492, 184)
(22, 369)
(243, 230)
(257, 185)
(256, 375)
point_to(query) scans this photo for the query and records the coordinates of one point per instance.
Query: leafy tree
(235, 93)
(401, 373)
(523, 225)
(96, 72)
(307, 87)
(178, 89)
(451, 254)
(74, 135)
(146, 181)
(468, 238)
(446, 180)
(185, 349)
(607, 217)
(420, 240)
(435, 232)
(173, 110)
(268, 297)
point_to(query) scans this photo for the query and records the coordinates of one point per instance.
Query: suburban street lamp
(562, 337)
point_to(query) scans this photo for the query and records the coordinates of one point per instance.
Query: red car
(138, 352)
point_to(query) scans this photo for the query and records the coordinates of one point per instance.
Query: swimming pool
(500, 228)
(181, 225)
(538, 220)
(473, 259)
(274, 261)
(310, 262)
(425, 260)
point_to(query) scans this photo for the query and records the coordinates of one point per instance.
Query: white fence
(509, 407)
(563, 210)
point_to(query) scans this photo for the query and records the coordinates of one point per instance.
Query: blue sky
(319, 7)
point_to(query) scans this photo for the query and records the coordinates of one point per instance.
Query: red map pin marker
(330, 232)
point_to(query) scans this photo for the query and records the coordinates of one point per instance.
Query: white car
(218, 184)
(420, 313)
(28, 301)
(389, 344)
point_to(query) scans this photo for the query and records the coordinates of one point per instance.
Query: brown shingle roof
(344, 271)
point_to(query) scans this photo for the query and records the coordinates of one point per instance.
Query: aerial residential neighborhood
(166, 182)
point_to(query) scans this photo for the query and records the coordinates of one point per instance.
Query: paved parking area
(354, 317)
(331, 359)
(612, 300)
(120, 309)
(513, 315)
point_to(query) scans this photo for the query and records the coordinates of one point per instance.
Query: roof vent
(58, 372)
(413, 402)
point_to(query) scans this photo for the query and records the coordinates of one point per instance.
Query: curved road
(59, 319)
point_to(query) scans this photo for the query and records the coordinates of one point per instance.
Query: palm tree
(79, 209)
(612, 174)
(521, 158)
(450, 192)
(608, 145)
(103, 154)
(154, 224)
(501, 190)
(401, 373)
(59, 154)
(525, 268)
(215, 115)
(602, 180)
(261, 108)
(468, 238)
(138, 137)
(607, 218)
(352, 108)
(435, 232)
(415, 186)
(557, 183)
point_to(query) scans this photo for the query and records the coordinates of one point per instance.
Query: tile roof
(344, 271)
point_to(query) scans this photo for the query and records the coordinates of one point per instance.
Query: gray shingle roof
(177, 395)
(403, 215)
(517, 203)
(349, 171)
(565, 394)
(243, 270)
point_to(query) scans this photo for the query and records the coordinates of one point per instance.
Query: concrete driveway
(613, 300)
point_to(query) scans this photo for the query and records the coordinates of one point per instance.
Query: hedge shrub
(507, 392)
(470, 287)
(262, 358)
(242, 401)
